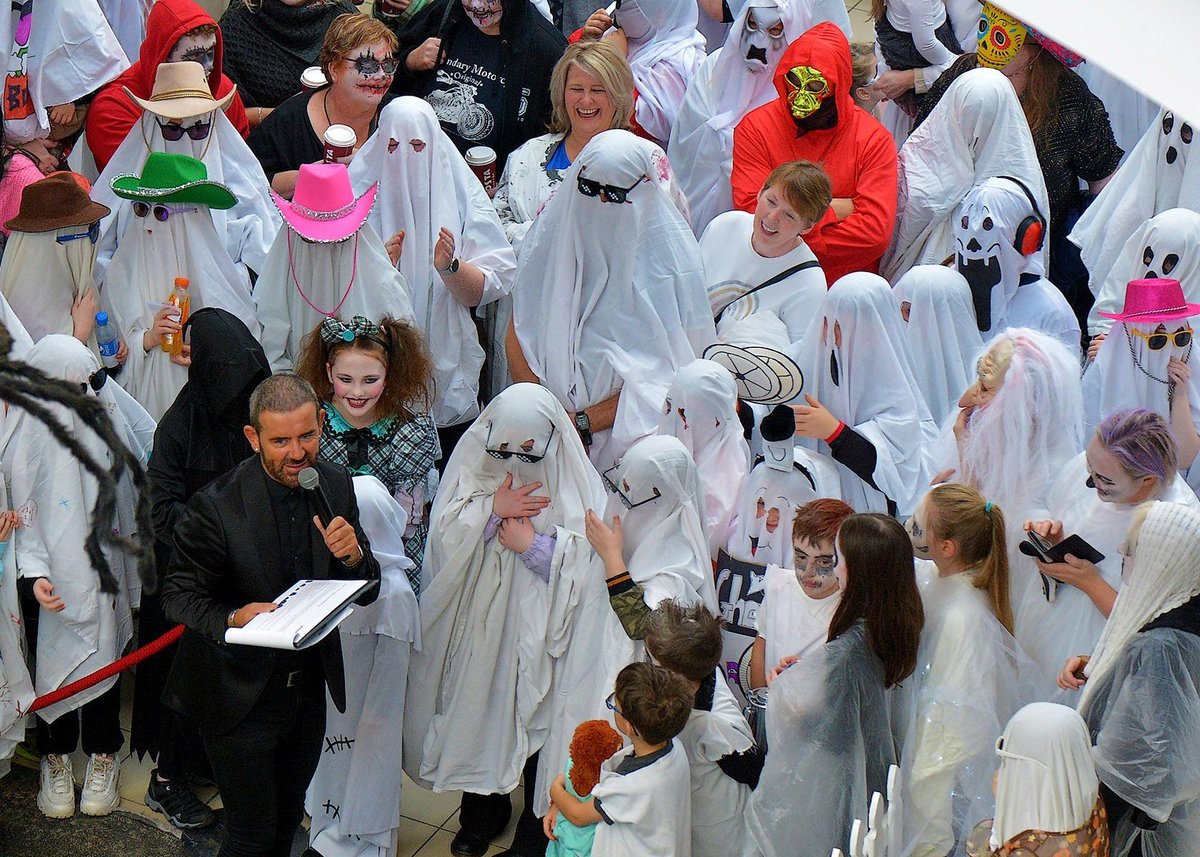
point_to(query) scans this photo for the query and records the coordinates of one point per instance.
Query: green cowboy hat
(173, 178)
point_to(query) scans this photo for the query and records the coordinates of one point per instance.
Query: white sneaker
(56, 797)
(100, 795)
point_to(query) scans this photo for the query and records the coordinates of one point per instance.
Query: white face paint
(763, 39)
(194, 47)
(367, 72)
(485, 14)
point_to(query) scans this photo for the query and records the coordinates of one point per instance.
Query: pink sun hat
(1152, 301)
(323, 208)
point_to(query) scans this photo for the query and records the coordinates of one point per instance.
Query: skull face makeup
(196, 47)
(1000, 37)
(367, 72)
(485, 14)
(807, 88)
(763, 39)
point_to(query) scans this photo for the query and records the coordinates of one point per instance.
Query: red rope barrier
(119, 665)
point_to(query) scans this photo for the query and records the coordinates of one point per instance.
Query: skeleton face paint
(194, 47)
(1000, 37)
(484, 14)
(816, 566)
(807, 88)
(763, 39)
(368, 72)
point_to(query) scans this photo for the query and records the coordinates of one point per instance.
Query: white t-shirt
(648, 811)
(730, 261)
(1041, 306)
(791, 622)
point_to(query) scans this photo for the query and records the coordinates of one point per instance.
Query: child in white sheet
(800, 599)
(720, 749)
(644, 794)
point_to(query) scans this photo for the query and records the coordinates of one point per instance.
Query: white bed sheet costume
(857, 363)
(509, 664)
(41, 278)
(611, 297)
(652, 807)
(976, 131)
(731, 82)
(424, 185)
(16, 684)
(353, 795)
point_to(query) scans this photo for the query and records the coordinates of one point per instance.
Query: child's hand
(61, 114)
(516, 534)
(608, 542)
(43, 591)
(784, 662)
(9, 521)
(548, 823)
(517, 503)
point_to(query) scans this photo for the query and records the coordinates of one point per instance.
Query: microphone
(310, 481)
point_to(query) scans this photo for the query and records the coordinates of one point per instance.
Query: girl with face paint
(373, 382)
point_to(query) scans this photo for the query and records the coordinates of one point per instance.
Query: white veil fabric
(942, 334)
(14, 672)
(141, 277)
(610, 298)
(304, 282)
(976, 131)
(247, 229)
(41, 278)
(701, 412)
(727, 86)
(424, 185)
(665, 51)
(1158, 175)
(1166, 245)
(876, 391)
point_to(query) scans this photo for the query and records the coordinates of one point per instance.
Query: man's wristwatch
(453, 267)
(583, 425)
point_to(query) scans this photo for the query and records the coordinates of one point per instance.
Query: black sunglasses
(505, 454)
(96, 380)
(92, 232)
(174, 131)
(607, 192)
(161, 212)
(611, 485)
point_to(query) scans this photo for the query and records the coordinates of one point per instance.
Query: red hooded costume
(858, 154)
(113, 113)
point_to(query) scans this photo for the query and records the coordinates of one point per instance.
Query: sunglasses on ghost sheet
(96, 380)
(505, 454)
(162, 213)
(92, 233)
(607, 192)
(174, 131)
(608, 478)
(1159, 340)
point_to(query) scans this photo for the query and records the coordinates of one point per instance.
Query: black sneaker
(177, 802)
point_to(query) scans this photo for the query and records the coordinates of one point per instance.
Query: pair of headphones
(1031, 232)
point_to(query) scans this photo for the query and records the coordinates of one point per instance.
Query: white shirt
(792, 622)
(650, 808)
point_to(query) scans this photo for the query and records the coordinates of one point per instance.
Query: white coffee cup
(313, 78)
(482, 161)
(340, 141)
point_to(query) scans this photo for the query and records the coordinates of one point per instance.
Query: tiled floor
(860, 20)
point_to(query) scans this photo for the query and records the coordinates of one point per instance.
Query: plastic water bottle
(106, 341)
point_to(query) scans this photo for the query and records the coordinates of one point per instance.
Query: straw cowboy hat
(55, 202)
(181, 92)
(323, 208)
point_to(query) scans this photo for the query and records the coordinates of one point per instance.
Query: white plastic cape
(831, 745)
(64, 49)
(140, 279)
(942, 335)
(247, 229)
(665, 52)
(971, 677)
(1071, 625)
(1166, 245)
(41, 278)
(876, 393)
(424, 185)
(1155, 177)
(16, 685)
(665, 549)
(618, 313)
(701, 411)
(727, 86)
(488, 687)
(54, 495)
(976, 131)
(353, 795)
(305, 282)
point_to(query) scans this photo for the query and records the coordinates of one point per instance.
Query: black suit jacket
(227, 554)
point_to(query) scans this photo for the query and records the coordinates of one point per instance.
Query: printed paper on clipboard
(308, 611)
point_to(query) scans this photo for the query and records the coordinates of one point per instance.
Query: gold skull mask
(806, 89)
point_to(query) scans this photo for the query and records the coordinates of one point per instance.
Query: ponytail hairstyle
(962, 515)
(881, 588)
(398, 345)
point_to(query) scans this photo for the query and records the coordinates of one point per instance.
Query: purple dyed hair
(1141, 441)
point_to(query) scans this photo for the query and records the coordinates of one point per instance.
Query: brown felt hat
(53, 203)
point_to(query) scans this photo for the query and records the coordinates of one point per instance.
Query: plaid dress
(398, 454)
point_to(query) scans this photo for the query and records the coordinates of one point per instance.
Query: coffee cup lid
(313, 77)
(481, 155)
(340, 135)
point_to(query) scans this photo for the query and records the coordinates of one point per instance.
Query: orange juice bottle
(172, 343)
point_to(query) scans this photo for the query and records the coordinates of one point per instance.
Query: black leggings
(101, 727)
(489, 814)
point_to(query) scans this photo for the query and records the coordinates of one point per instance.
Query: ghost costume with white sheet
(64, 49)
(42, 278)
(791, 621)
(1166, 245)
(731, 82)
(976, 131)
(942, 335)
(140, 279)
(16, 685)
(610, 298)
(424, 185)
(868, 382)
(21, 340)
(1156, 176)
(762, 531)
(649, 809)
(359, 772)
(701, 411)
(491, 630)
(1009, 288)
(247, 229)
(1051, 632)
(305, 281)
(55, 496)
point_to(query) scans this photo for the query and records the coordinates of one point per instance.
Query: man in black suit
(242, 540)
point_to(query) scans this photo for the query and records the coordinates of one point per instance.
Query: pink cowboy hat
(323, 208)
(1152, 301)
